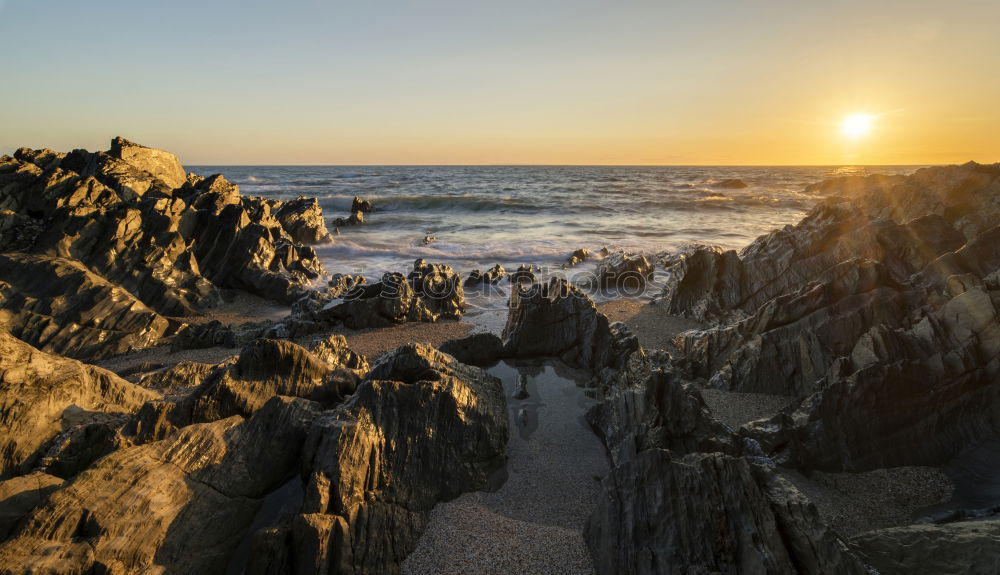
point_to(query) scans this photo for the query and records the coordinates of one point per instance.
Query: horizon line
(515, 165)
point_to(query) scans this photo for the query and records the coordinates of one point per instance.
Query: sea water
(478, 216)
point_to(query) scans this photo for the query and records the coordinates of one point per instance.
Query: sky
(514, 82)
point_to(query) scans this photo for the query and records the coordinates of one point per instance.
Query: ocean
(479, 216)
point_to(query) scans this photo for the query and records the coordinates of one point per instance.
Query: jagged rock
(730, 184)
(476, 349)
(659, 413)
(264, 368)
(43, 395)
(431, 292)
(422, 428)
(59, 306)
(559, 320)
(180, 505)
(523, 275)
(492, 276)
(131, 217)
(302, 218)
(161, 165)
(708, 513)
(707, 284)
(18, 231)
(580, 255)
(314, 300)
(954, 548)
(439, 287)
(788, 345)
(901, 397)
(360, 205)
(624, 270)
(967, 196)
(356, 217)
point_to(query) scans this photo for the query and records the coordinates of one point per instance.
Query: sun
(856, 125)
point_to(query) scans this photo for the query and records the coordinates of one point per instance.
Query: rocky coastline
(827, 399)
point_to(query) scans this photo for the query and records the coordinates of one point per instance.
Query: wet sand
(534, 522)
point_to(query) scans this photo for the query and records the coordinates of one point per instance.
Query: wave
(467, 202)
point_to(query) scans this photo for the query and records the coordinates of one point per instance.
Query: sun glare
(856, 125)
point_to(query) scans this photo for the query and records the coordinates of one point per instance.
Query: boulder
(492, 276)
(439, 287)
(625, 271)
(42, 396)
(360, 205)
(476, 349)
(558, 320)
(523, 275)
(421, 429)
(302, 218)
(580, 255)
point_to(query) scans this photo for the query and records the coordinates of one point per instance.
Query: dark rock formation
(954, 548)
(624, 270)
(580, 255)
(129, 219)
(558, 320)
(201, 393)
(880, 313)
(439, 287)
(421, 429)
(475, 349)
(302, 218)
(708, 513)
(181, 504)
(523, 275)
(730, 184)
(43, 396)
(360, 205)
(201, 336)
(359, 208)
(61, 307)
(492, 276)
(659, 413)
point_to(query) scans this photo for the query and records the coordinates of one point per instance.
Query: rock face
(879, 315)
(180, 504)
(422, 428)
(43, 396)
(963, 547)
(625, 271)
(201, 393)
(879, 310)
(709, 513)
(492, 276)
(129, 219)
(558, 320)
(580, 255)
(238, 467)
(431, 292)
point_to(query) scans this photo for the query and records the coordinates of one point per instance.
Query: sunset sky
(533, 82)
